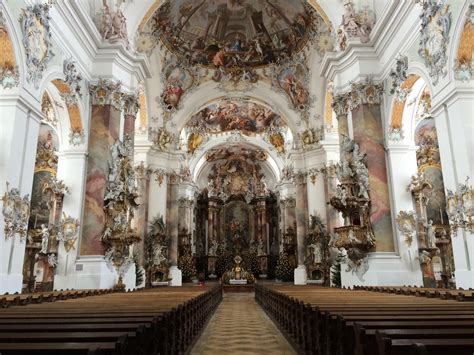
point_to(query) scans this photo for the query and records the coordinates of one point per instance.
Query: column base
(176, 276)
(464, 279)
(385, 269)
(93, 273)
(300, 275)
(11, 283)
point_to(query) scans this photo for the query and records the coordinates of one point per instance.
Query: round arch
(209, 92)
(53, 81)
(275, 162)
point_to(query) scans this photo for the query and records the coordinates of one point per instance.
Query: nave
(277, 318)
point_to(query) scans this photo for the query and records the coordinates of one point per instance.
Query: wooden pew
(330, 321)
(145, 322)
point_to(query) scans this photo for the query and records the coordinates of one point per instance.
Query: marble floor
(240, 326)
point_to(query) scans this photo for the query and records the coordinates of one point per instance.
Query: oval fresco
(219, 33)
(228, 115)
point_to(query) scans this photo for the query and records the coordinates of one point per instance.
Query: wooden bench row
(444, 294)
(331, 321)
(143, 322)
(35, 298)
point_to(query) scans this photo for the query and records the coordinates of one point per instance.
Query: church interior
(241, 176)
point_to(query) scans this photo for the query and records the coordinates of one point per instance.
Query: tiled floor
(240, 326)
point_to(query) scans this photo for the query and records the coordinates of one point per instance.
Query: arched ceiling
(244, 32)
(235, 167)
(228, 114)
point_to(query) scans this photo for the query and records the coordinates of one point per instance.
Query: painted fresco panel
(368, 133)
(104, 131)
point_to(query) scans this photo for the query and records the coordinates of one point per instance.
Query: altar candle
(441, 215)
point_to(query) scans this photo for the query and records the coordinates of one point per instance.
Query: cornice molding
(368, 55)
(95, 49)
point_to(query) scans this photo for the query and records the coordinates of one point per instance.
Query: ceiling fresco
(233, 114)
(221, 33)
(239, 152)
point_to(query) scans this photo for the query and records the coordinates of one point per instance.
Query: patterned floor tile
(241, 327)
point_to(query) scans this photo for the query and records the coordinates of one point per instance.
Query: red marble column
(105, 128)
(130, 110)
(368, 133)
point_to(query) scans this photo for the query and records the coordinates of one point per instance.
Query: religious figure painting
(237, 226)
(230, 152)
(176, 81)
(292, 80)
(228, 115)
(224, 33)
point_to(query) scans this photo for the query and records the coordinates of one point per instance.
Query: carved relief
(435, 26)
(365, 92)
(15, 212)
(37, 40)
(106, 92)
(157, 245)
(357, 23)
(48, 111)
(162, 139)
(406, 222)
(160, 175)
(68, 232)
(73, 78)
(396, 134)
(76, 138)
(352, 198)
(460, 207)
(113, 25)
(398, 76)
(120, 201)
(311, 137)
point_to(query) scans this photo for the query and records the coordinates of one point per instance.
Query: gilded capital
(340, 104)
(130, 105)
(106, 92)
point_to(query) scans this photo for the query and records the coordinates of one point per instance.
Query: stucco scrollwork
(398, 75)
(435, 25)
(37, 40)
(73, 78)
(15, 210)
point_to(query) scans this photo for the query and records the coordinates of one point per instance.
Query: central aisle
(240, 326)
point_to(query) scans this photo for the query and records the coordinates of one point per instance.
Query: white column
(316, 196)
(18, 138)
(455, 128)
(301, 212)
(157, 198)
(402, 165)
(72, 170)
